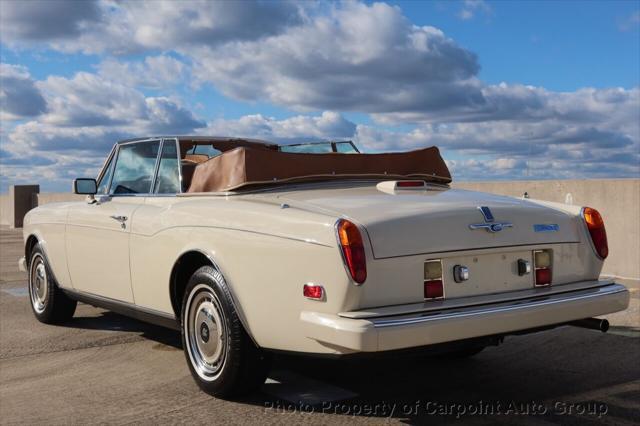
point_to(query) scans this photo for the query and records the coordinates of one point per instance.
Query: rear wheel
(221, 356)
(48, 303)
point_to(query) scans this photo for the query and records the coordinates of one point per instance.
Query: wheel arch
(31, 242)
(187, 263)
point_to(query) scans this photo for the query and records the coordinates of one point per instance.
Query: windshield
(345, 147)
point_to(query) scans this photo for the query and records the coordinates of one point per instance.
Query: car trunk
(407, 228)
(438, 219)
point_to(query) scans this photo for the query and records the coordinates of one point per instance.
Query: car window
(308, 148)
(168, 180)
(346, 148)
(134, 168)
(204, 149)
(103, 185)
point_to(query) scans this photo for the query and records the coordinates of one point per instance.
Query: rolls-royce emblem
(489, 222)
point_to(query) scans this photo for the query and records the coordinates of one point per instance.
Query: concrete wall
(17, 203)
(618, 200)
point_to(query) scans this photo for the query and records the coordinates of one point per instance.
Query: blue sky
(507, 90)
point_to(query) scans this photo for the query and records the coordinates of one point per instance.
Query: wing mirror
(85, 186)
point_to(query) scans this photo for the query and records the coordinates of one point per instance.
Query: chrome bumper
(391, 332)
(22, 264)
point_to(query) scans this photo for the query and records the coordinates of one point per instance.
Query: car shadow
(111, 321)
(562, 375)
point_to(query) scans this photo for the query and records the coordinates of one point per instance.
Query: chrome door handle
(119, 218)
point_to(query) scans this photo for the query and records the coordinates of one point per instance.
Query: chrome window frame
(155, 177)
(155, 169)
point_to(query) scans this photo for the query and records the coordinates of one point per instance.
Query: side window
(134, 168)
(103, 185)
(168, 181)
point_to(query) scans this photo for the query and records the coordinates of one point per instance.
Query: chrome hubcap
(204, 328)
(38, 284)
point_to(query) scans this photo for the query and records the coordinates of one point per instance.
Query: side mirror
(85, 186)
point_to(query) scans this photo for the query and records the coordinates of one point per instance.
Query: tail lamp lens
(433, 286)
(433, 289)
(595, 225)
(352, 248)
(543, 264)
(311, 291)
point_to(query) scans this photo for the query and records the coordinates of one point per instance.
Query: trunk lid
(437, 219)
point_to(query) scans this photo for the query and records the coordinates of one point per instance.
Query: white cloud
(356, 57)
(153, 72)
(95, 26)
(19, 97)
(329, 125)
(471, 8)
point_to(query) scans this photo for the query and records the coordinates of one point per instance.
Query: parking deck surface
(106, 368)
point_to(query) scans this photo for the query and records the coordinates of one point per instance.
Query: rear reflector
(312, 291)
(352, 247)
(543, 276)
(433, 289)
(598, 234)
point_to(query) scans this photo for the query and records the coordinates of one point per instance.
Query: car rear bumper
(349, 332)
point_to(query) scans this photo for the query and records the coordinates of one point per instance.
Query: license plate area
(488, 273)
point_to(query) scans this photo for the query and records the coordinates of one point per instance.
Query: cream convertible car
(249, 247)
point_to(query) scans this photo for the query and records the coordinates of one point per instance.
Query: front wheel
(48, 303)
(221, 356)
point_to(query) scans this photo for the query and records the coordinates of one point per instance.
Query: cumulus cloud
(19, 97)
(86, 115)
(153, 72)
(46, 20)
(328, 126)
(356, 57)
(95, 26)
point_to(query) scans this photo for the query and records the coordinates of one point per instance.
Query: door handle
(119, 218)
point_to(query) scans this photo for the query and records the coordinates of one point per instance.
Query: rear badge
(489, 223)
(541, 227)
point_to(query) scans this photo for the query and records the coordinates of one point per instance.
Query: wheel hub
(38, 284)
(204, 323)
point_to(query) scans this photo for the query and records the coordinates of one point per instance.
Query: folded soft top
(246, 166)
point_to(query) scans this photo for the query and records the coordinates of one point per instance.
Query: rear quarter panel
(265, 253)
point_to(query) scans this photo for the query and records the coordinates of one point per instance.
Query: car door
(98, 233)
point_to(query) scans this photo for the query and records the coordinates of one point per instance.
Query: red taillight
(595, 225)
(352, 250)
(543, 276)
(312, 291)
(433, 289)
(410, 183)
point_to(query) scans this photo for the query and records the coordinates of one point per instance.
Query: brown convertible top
(247, 166)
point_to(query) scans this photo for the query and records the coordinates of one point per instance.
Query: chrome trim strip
(125, 308)
(524, 304)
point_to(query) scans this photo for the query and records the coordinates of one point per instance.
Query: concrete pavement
(105, 368)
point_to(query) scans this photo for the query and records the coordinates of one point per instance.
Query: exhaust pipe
(592, 324)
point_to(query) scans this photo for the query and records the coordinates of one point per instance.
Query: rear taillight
(433, 287)
(595, 225)
(352, 247)
(542, 265)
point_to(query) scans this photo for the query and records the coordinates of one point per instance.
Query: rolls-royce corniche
(249, 248)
